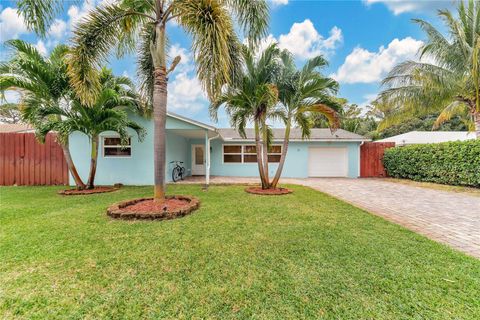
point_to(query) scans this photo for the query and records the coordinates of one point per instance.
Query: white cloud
(11, 24)
(304, 41)
(76, 13)
(363, 66)
(41, 47)
(185, 93)
(58, 29)
(279, 2)
(402, 6)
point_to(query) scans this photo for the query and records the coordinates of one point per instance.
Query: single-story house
(206, 150)
(423, 137)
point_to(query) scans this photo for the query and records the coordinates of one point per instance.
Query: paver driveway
(447, 217)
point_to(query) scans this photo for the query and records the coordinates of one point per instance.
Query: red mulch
(268, 192)
(74, 192)
(151, 206)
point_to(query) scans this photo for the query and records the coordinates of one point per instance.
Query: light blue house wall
(296, 163)
(138, 168)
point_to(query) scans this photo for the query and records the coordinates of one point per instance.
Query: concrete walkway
(447, 217)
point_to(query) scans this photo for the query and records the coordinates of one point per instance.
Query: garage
(327, 162)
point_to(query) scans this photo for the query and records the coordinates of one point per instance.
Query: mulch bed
(75, 192)
(146, 209)
(268, 192)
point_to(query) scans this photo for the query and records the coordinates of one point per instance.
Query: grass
(240, 256)
(436, 186)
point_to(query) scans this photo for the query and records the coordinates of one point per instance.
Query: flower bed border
(116, 210)
(268, 192)
(85, 192)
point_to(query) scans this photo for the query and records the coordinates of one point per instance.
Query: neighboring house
(323, 155)
(422, 137)
(15, 128)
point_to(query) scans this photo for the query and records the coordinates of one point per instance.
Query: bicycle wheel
(182, 172)
(175, 174)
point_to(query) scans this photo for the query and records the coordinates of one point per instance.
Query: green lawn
(240, 256)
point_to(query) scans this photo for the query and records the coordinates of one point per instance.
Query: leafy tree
(304, 92)
(43, 83)
(252, 97)
(107, 113)
(447, 78)
(9, 113)
(130, 25)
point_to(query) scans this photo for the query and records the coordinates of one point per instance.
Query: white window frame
(242, 153)
(115, 146)
(234, 153)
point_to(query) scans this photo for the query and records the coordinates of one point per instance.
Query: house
(422, 137)
(15, 128)
(323, 155)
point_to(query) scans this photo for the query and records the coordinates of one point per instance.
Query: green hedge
(453, 163)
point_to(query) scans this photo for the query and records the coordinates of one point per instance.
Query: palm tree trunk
(258, 148)
(265, 156)
(93, 163)
(71, 166)
(159, 111)
(286, 140)
(476, 119)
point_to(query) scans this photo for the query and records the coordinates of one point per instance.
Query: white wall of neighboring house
(422, 137)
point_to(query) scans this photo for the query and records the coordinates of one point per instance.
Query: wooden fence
(24, 161)
(371, 159)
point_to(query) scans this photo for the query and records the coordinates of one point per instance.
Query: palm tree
(302, 93)
(126, 23)
(251, 98)
(447, 78)
(107, 113)
(43, 83)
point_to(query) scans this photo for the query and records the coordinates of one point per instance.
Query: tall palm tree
(447, 78)
(43, 81)
(303, 92)
(107, 113)
(251, 98)
(125, 23)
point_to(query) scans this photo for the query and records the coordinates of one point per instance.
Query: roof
(15, 127)
(422, 137)
(188, 120)
(295, 134)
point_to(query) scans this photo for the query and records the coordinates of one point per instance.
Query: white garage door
(327, 162)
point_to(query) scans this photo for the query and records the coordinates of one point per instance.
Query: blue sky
(362, 40)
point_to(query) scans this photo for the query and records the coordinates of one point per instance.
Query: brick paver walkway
(447, 217)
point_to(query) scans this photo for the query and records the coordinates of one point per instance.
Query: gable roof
(191, 121)
(421, 137)
(229, 134)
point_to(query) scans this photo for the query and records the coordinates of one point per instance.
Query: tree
(302, 93)
(252, 97)
(9, 113)
(447, 77)
(107, 113)
(125, 23)
(43, 83)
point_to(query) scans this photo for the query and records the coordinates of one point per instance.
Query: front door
(198, 160)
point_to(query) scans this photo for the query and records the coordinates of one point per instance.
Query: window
(232, 154)
(274, 153)
(248, 153)
(112, 147)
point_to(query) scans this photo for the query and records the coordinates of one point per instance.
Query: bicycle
(178, 171)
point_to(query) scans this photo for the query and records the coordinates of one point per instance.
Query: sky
(362, 40)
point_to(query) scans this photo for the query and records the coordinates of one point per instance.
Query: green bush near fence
(453, 163)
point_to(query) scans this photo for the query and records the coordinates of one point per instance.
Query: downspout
(207, 156)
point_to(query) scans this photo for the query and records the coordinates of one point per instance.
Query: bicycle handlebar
(175, 161)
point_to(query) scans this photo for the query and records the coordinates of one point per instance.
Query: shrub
(453, 163)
